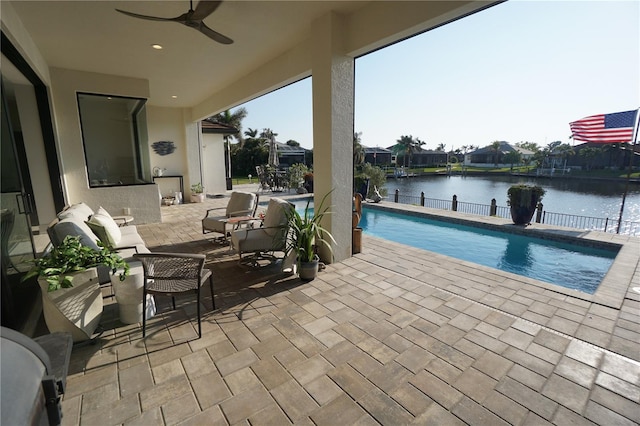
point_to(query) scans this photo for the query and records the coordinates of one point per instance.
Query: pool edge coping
(611, 291)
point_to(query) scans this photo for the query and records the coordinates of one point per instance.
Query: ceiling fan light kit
(192, 19)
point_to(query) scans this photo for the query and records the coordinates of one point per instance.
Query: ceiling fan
(192, 18)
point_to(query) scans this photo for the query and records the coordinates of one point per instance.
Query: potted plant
(308, 181)
(197, 193)
(523, 200)
(57, 268)
(68, 278)
(305, 235)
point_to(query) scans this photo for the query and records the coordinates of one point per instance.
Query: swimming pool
(573, 266)
(569, 265)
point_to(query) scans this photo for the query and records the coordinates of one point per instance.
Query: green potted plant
(70, 257)
(523, 200)
(305, 235)
(197, 193)
(71, 294)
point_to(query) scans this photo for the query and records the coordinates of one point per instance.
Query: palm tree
(495, 147)
(564, 151)
(441, 147)
(358, 150)
(235, 120)
(415, 147)
(251, 133)
(407, 146)
(401, 147)
(513, 157)
(531, 146)
(267, 134)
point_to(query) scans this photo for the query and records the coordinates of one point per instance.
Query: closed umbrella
(273, 152)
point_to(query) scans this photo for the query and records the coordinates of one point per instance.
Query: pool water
(571, 266)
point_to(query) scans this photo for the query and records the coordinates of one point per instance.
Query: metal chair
(270, 237)
(172, 274)
(240, 204)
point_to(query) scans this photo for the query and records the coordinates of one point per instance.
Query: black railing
(557, 219)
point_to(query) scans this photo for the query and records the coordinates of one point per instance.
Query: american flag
(617, 127)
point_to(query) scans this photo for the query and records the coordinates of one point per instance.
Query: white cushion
(76, 211)
(276, 215)
(247, 240)
(241, 203)
(130, 238)
(102, 217)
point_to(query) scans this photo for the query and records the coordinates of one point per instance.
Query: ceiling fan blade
(150, 18)
(204, 9)
(214, 35)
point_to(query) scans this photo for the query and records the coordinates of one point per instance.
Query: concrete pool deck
(393, 335)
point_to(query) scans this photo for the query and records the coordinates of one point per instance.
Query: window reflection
(114, 135)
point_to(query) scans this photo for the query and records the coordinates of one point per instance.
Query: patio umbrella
(273, 152)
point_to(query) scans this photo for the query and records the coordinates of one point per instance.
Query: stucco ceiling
(91, 36)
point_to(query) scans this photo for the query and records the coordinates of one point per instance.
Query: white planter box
(76, 310)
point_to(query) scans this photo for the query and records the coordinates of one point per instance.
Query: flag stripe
(605, 128)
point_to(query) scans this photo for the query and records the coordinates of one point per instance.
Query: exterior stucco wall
(142, 200)
(333, 103)
(166, 124)
(14, 29)
(213, 169)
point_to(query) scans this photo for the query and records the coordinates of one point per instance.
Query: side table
(122, 220)
(235, 222)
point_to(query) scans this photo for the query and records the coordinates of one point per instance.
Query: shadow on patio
(393, 335)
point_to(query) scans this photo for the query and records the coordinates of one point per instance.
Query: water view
(593, 198)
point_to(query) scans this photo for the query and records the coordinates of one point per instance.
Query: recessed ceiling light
(156, 46)
(174, 96)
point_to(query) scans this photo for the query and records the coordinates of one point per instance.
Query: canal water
(594, 198)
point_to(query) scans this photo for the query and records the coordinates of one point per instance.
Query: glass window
(114, 135)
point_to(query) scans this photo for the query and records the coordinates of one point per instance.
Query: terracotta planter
(76, 310)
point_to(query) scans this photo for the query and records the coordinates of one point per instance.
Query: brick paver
(393, 335)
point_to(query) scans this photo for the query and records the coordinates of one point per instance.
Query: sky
(519, 71)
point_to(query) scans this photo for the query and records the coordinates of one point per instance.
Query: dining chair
(174, 274)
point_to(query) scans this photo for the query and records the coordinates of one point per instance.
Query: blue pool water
(568, 265)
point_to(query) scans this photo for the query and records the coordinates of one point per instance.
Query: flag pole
(633, 152)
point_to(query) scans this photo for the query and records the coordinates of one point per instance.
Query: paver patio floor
(393, 335)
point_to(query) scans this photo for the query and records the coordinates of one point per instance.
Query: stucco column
(193, 156)
(333, 87)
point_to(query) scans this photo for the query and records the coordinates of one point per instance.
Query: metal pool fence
(558, 219)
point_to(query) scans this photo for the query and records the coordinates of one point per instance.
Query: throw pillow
(100, 232)
(76, 211)
(103, 218)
